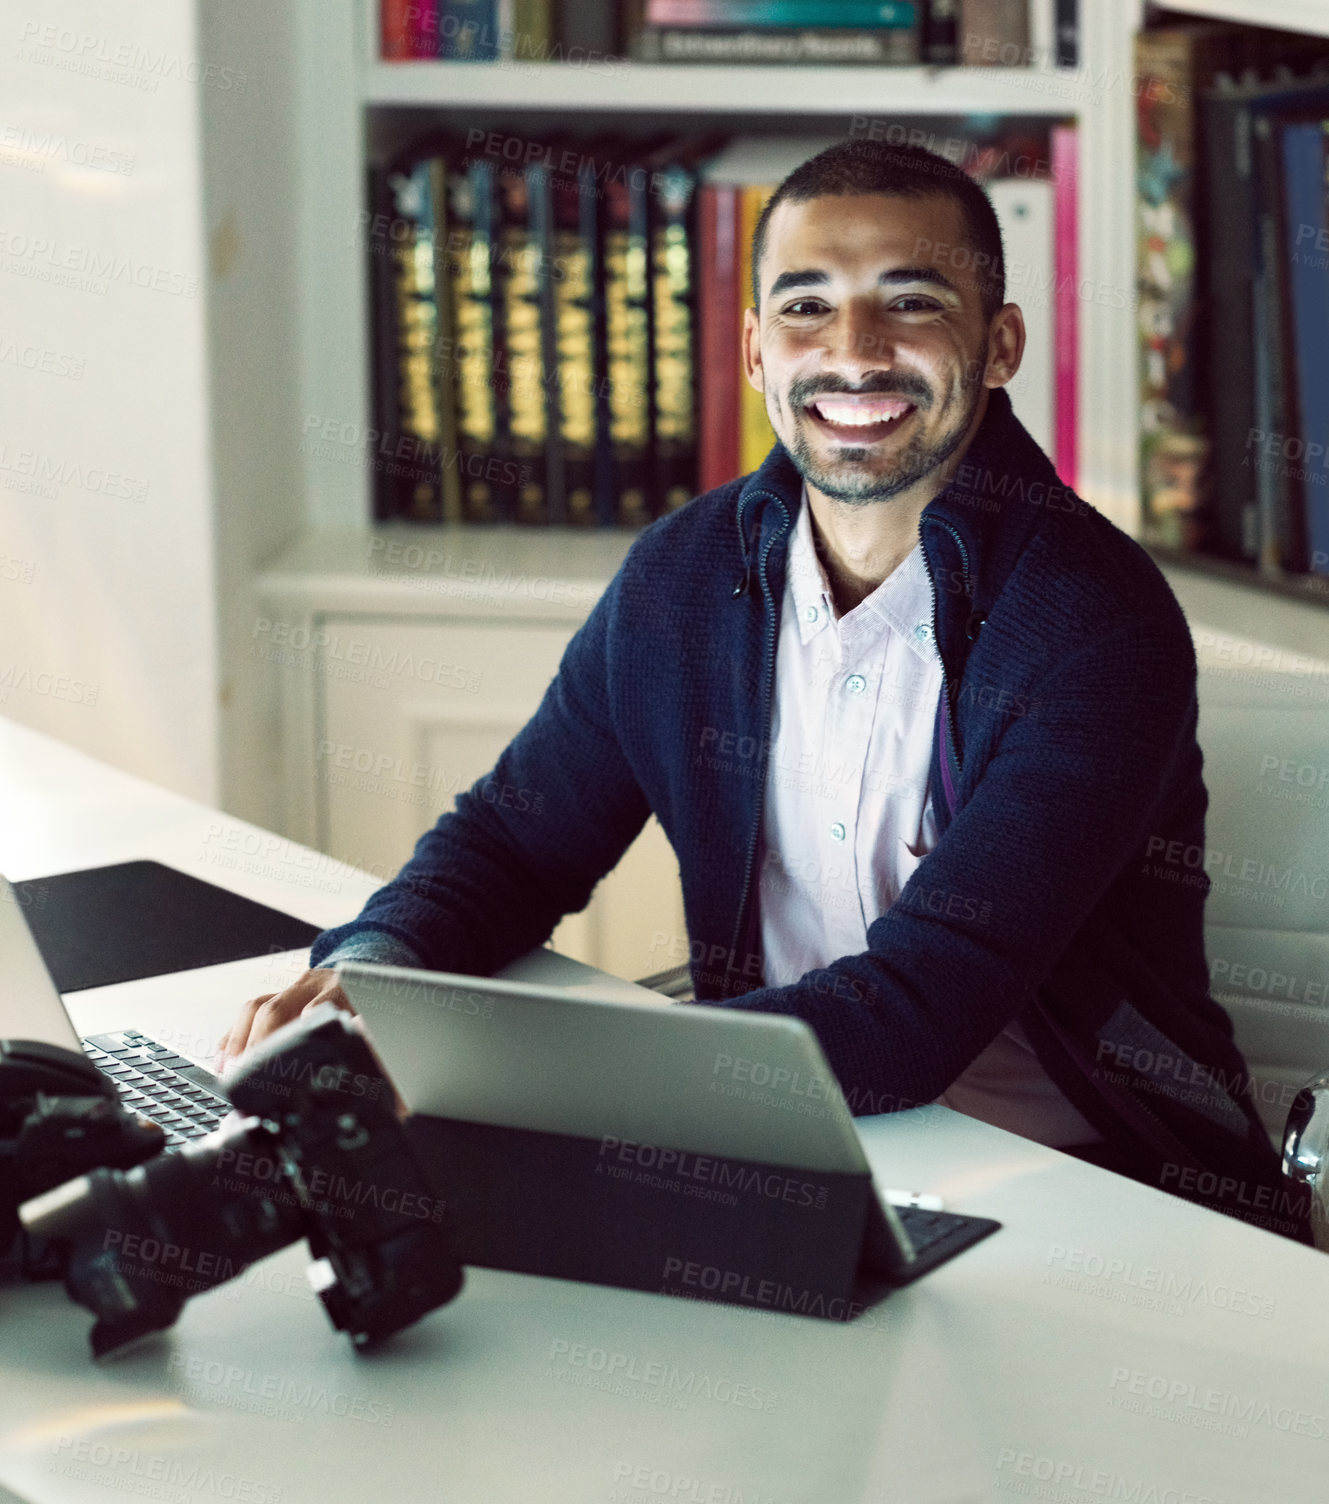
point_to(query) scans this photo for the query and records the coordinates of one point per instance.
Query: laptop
(696, 1079)
(156, 1082)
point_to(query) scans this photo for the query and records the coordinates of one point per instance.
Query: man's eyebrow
(810, 277)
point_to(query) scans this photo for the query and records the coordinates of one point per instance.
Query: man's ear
(752, 366)
(1006, 341)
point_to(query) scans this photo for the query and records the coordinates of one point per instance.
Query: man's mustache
(878, 385)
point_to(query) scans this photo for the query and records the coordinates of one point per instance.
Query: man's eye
(805, 307)
(919, 304)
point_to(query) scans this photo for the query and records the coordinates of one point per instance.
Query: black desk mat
(144, 919)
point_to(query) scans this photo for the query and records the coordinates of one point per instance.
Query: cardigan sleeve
(527, 843)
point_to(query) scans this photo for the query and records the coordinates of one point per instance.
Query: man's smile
(859, 417)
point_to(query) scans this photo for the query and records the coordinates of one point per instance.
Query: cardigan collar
(990, 506)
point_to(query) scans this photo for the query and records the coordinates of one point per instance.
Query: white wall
(107, 600)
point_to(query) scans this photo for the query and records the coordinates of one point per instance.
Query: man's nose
(861, 339)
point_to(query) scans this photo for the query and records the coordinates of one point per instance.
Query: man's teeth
(858, 414)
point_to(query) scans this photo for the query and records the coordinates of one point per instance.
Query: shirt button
(811, 614)
(922, 631)
(837, 831)
(855, 684)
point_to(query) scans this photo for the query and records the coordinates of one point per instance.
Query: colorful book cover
(627, 302)
(1305, 450)
(756, 436)
(720, 304)
(1172, 65)
(395, 30)
(1065, 176)
(782, 13)
(468, 31)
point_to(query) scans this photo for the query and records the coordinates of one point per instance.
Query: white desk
(1109, 1342)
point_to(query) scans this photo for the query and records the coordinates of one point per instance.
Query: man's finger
(235, 1040)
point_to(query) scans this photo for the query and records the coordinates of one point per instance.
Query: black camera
(320, 1153)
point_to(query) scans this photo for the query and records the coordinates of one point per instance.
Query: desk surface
(1109, 1342)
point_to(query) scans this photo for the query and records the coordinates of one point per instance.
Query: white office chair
(1265, 738)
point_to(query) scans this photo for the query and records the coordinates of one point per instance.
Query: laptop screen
(30, 1007)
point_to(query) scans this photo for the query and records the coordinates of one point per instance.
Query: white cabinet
(391, 709)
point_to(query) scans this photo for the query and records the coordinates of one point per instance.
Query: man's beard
(848, 481)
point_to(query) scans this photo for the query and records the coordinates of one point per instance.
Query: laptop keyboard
(931, 1232)
(157, 1083)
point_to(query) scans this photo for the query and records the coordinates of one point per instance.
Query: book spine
(1066, 19)
(415, 460)
(628, 349)
(520, 315)
(395, 30)
(938, 33)
(531, 35)
(1172, 64)
(720, 323)
(586, 28)
(381, 248)
(994, 33)
(468, 30)
(1066, 253)
(474, 355)
(423, 16)
(674, 349)
(440, 365)
(574, 280)
(1269, 298)
(1233, 516)
(897, 45)
(779, 13)
(756, 436)
(1306, 248)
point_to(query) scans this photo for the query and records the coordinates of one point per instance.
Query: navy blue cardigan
(1065, 769)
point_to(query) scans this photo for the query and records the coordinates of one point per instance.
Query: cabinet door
(413, 713)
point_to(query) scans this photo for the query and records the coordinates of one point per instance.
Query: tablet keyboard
(182, 1098)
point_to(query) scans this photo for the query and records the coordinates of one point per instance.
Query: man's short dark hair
(863, 167)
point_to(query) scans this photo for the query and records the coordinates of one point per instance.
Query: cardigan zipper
(767, 693)
(947, 716)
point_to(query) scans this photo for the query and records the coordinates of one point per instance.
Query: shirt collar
(903, 600)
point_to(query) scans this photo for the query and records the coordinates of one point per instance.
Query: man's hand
(262, 1016)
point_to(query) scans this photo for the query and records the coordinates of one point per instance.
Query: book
(468, 30)
(1066, 21)
(1279, 534)
(755, 434)
(625, 260)
(1303, 450)
(395, 30)
(410, 468)
(577, 314)
(472, 357)
(994, 33)
(1173, 65)
(525, 30)
(1232, 192)
(938, 38)
(587, 28)
(1025, 211)
(673, 354)
(821, 47)
(720, 303)
(1066, 312)
(524, 330)
(781, 13)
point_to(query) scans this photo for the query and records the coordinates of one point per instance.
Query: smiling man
(918, 722)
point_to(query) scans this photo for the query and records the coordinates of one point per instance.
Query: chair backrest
(1264, 732)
